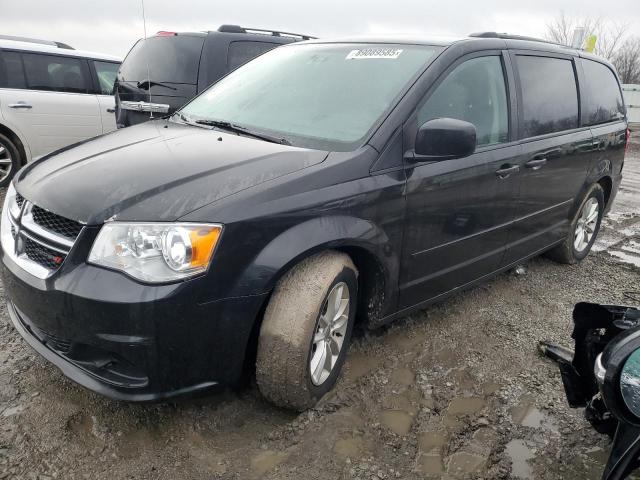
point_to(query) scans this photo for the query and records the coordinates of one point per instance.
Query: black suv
(161, 73)
(323, 183)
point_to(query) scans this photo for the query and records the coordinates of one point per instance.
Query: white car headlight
(156, 252)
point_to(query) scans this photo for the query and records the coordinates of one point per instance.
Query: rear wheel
(584, 228)
(306, 330)
(9, 160)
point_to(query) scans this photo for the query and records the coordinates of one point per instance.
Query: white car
(51, 96)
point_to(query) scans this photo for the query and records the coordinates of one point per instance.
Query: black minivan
(321, 184)
(161, 73)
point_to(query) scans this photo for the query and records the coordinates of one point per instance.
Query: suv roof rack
(508, 36)
(261, 31)
(38, 41)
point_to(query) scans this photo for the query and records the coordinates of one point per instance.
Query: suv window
(173, 59)
(549, 95)
(55, 73)
(106, 72)
(604, 99)
(11, 71)
(241, 52)
(475, 92)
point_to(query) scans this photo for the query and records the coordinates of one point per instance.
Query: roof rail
(274, 33)
(38, 41)
(507, 36)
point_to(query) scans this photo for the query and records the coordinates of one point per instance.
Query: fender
(342, 232)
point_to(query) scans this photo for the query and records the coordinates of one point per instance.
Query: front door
(458, 211)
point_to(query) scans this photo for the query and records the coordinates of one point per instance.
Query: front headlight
(156, 252)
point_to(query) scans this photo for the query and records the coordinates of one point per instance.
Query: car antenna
(144, 26)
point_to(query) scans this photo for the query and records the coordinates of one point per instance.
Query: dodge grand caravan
(321, 184)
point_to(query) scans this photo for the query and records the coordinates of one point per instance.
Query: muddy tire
(297, 328)
(583, 229)
(10, 160)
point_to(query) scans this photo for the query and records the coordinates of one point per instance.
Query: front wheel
(306, 330)
(583, 230)
(9, 160)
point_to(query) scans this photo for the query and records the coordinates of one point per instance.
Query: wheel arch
(607, 186)
(25, 153)
(370, 248)
(377, 279)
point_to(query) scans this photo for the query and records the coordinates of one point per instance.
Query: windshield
(326, 96)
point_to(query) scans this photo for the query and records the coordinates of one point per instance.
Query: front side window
(106, 72)
(327, 96)
(475, 92)
(55, 73)
(11, 71)
(549, 95)
(604, 99)
(241, 52)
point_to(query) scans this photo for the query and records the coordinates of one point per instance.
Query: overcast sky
(113, 26)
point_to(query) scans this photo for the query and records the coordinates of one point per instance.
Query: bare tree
(610, 35)
(627, 60)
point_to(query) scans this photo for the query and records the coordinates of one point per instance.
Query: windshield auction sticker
(368, 53)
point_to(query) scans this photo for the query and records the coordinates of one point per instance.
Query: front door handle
(506, 171)
(536, 163)
(111, 110)
(20, 105)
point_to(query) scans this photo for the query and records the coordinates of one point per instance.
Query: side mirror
(445, 139)
(617, 371)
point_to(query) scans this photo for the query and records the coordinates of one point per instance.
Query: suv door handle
(111, 110)
(20, 105)
(507, 170)
(536, 163)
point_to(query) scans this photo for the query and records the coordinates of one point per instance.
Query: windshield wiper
(231, 127)
(147, 84)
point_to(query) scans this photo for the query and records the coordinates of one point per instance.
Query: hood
(156, 171)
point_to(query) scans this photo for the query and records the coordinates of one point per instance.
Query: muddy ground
(455, 391)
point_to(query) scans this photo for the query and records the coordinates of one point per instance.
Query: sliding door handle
(507, 170)
(536, 163)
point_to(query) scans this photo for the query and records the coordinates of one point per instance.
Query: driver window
(474, 92)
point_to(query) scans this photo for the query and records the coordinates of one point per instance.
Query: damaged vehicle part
(603, 377)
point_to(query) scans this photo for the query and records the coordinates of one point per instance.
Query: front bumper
(126, 340)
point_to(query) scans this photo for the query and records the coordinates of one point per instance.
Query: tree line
(614, 42)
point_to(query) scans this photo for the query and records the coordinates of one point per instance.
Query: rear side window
(549, 95)
(604, 100)
(171, 59)
(241, 52)
(474, 92)
(106, 72)
(11, 72)
(56, 73)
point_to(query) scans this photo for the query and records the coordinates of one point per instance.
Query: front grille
(40, 240)
(40, 254)
(55, 223)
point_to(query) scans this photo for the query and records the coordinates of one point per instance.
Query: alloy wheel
(6, 161)
(329, 334)
(586, 226)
